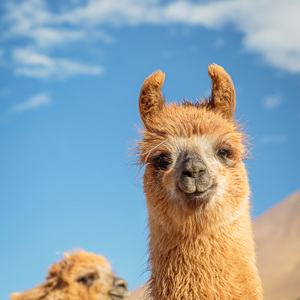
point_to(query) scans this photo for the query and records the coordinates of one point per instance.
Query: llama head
(79, 276)
(193, 154)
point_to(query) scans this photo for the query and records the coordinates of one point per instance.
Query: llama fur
(78, 276)
(201, 239)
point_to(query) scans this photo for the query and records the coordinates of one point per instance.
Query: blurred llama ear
(67, 254)
(151, 100)
(16, 296)
(223, 93)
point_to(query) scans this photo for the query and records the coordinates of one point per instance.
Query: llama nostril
(118, 282)
(119, 290)
(187, 174)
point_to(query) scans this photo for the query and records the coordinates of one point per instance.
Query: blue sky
(71, 73)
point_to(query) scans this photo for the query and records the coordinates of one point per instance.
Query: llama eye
(223, 153)
(88, 279)
(162, 161)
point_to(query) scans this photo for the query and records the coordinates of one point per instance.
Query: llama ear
(67, 254)
(223, 93)
(16, 296)
(151, 100)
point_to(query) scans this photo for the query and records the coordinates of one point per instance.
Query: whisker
(154, 148)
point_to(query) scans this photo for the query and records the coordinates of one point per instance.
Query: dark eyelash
(223, 153)
(227, 156)
(87, 280)
(161, 161)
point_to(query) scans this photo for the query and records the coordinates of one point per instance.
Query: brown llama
(201, 241)
(79, 276)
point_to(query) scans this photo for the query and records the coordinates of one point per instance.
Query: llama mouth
(195, 199)
(118, 295)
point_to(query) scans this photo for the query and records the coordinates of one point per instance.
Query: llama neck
(216, 264)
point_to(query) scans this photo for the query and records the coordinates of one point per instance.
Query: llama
(79, 276)
(201, 241)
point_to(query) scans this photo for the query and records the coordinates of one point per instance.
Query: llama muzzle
(195, 181)
(119, 290)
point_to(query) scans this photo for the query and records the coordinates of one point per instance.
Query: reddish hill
(138, 294)
(277, 235)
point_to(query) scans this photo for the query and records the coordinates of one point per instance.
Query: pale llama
(79, 276)
(201, 241)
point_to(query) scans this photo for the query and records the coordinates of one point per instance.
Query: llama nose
(119, 282)
(193, 167)
(194, 175)
(119, 290)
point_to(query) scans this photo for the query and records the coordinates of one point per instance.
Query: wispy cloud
(33, 64)
(264, 23)
(273, 139)
(35, 102)
(272, 101)
(269, 27)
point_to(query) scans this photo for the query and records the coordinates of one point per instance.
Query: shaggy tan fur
(79, 276)
(201, 241)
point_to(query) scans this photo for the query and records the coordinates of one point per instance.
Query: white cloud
(33, 19)
(47, 37)
(34, 102)
(269, 27)
(273, 139)
(272, 101)
(36, 65)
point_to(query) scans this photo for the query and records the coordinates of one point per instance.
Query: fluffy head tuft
(78, 276)
(207, 130)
